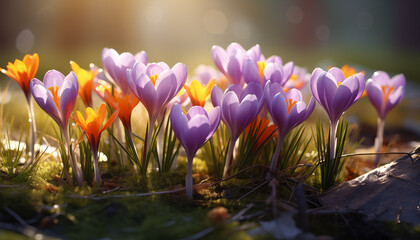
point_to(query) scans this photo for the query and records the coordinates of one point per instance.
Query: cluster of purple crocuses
(257, 85)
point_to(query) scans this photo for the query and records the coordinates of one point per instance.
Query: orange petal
(111, 119)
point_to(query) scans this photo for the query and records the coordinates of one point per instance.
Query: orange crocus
(199, 93)
(85, 78)
(91, 124)
(23, 71)
(265, 130)
(125, 104)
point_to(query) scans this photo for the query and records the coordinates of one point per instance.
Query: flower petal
(246, 112)
(234, 70)
(375, 96)
(274, 73)
(180, 71)
(288, 71)
(44, 99)
(196, 110)
(53, 78)
(337, 74)
(279, 112)
(68, 95)
(216, 96)
(250, 72)
(214, 118)
(220, 58)
(179, 122)
(314, 82)
(141, 57)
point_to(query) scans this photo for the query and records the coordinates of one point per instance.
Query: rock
(283, 227)
(387, 193)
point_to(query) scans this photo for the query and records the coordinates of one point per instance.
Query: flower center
(54, 91)
(294, 77)
(290, 104)
(386, 91)
(153, 79)
(261, 67)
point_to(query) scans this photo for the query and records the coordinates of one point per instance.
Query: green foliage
(129, 149)
(86, 161)
(169, 150)
(152, 148)
(331, 167)
(216, 149)
(249, 150)
(11, 167)
(293, 149)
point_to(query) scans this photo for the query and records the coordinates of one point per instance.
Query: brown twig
(10, 186)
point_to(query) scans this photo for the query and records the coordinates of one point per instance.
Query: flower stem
(379, 139)
(147, 142)
(32, 129)
(96, 167)
(229, 157)
(76, 169)
(333, 140)
(189, 179)
(275, 157)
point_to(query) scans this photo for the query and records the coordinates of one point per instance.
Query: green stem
(189, 179)
(379, 139)
(73, 163)
(147, 142)
(229, 157)
(32, 129)
(96, 166)
(333, 140)
(275, 157)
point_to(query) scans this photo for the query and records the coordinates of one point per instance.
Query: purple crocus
(298, 79)
(116, 65)
(336, 94)
(231, 61)
(57, 96)
(271, 69)
(239, 108)
(384, 93)
(192, 131)
(204, 74)
(155, 85)
(287, 110)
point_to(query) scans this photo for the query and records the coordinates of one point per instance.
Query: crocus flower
(125, 104)
(336, 94)
(231, 61)
(23, 72)
(92, 125)
(204, 74)
(85, 78)
(116, 65)
(384, 93)
(239, 108)
(287, 110)
(192, 131)
(155, 85)
(298, 79)
(349, 71)
(100, 86)
(271, 69)
(198, 93)
(57, 96)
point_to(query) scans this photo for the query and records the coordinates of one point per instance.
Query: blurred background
(368, 35)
